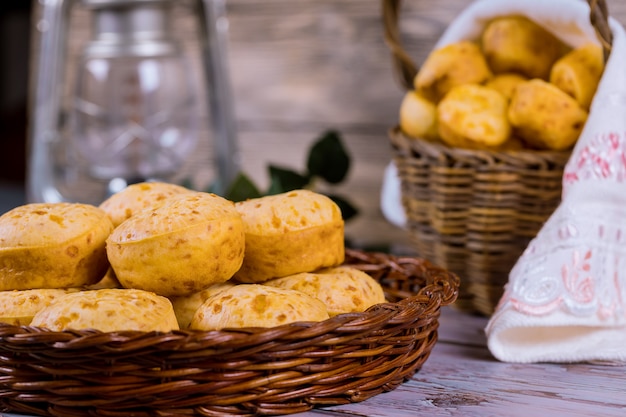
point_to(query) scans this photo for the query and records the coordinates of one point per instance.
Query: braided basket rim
(477, 157)
(251, 371)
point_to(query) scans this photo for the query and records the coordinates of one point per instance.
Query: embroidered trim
(603, 157)
(577, 267)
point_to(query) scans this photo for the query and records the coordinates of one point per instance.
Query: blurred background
(298, 68)
(14, 56)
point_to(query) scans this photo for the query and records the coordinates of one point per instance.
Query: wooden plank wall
(323, 64)
(301, 67)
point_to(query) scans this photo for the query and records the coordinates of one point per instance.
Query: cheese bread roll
(449, 66)
(186, 306)
(545, 117)
(19, 307)
(297, 231)
(518, 44)
(578, 73)
(473, 116)
(506, 83)
(53, 245)
(136, 197)
(256, 305)
(343, 289)
(108, 310)
(418, 116)
(184, 245)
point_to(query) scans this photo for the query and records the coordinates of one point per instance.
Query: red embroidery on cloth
(536, 310)
(596, 160)
(605, 312)
(576, 279)
(577, 263)
(585, 283)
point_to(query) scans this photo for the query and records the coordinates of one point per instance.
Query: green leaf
(283, 180)
(187, 183)
(328, 158)
(348, 210)
(242, 188)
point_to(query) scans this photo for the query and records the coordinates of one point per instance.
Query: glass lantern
(134, 106)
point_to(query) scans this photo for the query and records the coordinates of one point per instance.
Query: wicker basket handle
(406, 68)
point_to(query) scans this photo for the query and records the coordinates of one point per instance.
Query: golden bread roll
(518, 44)
(473, 116)
(186, 306)
(136, 197)
(108, 310)
(18, 307)
(451, 65)
(578, 73)
(53, 245)
(288, 233)
(342, 289)
(418, 116)
(545, 117)
(506, 83)
(256, 305)
(182, 246)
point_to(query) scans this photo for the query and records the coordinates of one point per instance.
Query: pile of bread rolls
(517, 87)
(159, 257)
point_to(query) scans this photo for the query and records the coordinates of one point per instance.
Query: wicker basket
(474, 211)
(246, 372)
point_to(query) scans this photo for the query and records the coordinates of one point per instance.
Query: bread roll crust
(53, 245)
(18, 307)
(474, 116)
(418, 116)
(506, 83)
(183, 246)
(449, 66)
(518, 44)
(342, 289)
(137, 197)
(288, 233)
(186, 306)
(108, 310)
(578, 73)
(546, 117)
(256, 305)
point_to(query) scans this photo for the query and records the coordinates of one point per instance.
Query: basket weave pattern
(253, 371)
(475, 211)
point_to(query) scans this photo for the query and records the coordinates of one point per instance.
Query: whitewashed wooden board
(461, 378)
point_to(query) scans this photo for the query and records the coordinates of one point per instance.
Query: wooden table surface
(462, 378)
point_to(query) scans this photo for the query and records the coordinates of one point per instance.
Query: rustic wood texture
(461, 378)
(324, 65)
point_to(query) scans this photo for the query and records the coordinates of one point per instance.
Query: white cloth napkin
(565, 299)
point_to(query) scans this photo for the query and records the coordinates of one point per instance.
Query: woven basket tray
(474, 211)
(253, 371)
